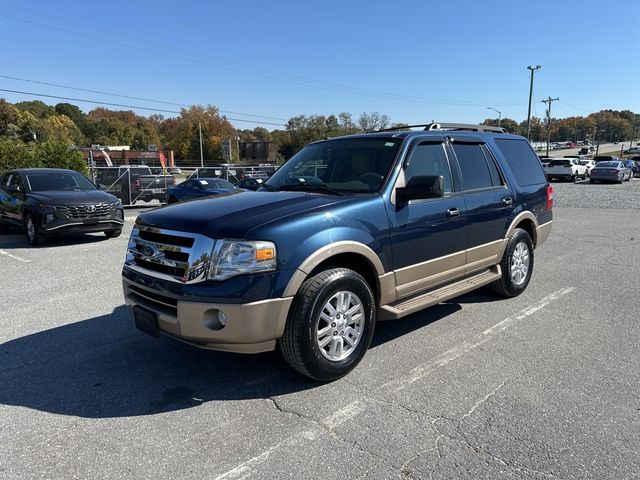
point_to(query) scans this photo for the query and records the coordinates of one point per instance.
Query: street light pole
(533, 69)
(499, 113)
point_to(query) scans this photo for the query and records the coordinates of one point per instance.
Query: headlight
(235, 257)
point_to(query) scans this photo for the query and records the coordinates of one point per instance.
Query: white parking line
(15, 257)
(456, 352)
(250, 467)
(346, 413)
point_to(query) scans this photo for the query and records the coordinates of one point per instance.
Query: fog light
(214, 319)
(49, 217)
(222, 318)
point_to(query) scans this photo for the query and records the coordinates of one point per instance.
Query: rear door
(488, 201)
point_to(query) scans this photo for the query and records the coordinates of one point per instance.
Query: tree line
(33, 133)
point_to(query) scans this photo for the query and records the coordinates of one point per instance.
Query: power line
(126, 106)
(271, 74)
(129, 96)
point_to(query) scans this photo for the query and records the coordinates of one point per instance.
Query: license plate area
(146, 321)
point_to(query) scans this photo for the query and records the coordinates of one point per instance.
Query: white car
(589, 164)
(632, 150)
(565, 169)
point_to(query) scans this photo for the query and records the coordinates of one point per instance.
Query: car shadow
(16, 239)
(103, 367)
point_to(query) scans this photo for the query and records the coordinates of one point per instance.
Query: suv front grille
(153, 300)
(177, 256)
(80, 212)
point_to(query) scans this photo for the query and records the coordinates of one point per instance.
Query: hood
(54, 197)
(233, 215)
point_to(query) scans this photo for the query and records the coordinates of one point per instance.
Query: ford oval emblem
(148, 251)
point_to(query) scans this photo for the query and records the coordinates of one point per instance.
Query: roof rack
(467, 127)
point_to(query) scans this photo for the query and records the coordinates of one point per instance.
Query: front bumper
(250, 327)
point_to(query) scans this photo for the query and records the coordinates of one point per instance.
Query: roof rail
(448, 126)
(399, 127)
(465, 127)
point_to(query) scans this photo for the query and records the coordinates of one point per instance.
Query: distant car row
(603, 168)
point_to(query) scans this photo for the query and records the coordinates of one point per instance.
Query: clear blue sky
(415, 61)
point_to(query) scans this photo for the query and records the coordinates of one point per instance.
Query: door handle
(507, 200)
(453, 212)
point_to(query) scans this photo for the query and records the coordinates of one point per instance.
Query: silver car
(613, 171)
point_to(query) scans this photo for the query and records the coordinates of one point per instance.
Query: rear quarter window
(522, 160)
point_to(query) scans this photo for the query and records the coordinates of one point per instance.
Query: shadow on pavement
(15, 239)
(103, 367)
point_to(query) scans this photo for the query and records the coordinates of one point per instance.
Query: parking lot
(544, 385)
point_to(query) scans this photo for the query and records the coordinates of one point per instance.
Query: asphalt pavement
(544, 385)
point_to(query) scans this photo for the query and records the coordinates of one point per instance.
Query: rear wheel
(516, 265)
(32, 230)
(172, 199)
(330, 325)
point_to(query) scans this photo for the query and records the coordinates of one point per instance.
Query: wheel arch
(346, 254)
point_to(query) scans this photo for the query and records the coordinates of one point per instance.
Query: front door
(428, 236)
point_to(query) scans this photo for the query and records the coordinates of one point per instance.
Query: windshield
(69, 181)
(356, 165)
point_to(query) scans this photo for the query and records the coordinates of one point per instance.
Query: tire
(518, 254)
(172, 199)
(113, 233)
(34, 236)
(591, 180)
(313, 311)
(574, 177)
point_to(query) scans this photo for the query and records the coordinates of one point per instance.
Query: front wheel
(516, 265)
(330, 325)
(34, 236)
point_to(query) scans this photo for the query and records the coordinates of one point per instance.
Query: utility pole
(549, 100)
(201, 157)
(533, 69)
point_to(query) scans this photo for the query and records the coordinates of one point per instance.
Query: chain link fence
(133, 184)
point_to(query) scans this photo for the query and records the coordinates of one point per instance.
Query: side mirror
(13, 189)
(420, 188)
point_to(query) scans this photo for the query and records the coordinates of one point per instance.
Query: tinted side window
(522, 160)
(5, 179)
(474, 166)
(429, 159)
(16, 180)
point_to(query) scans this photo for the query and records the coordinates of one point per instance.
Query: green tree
(9, 119)
(373, 121)
(14, 153)
(58, 154)
(37, 108)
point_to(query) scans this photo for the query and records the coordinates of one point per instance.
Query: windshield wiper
(319, 187)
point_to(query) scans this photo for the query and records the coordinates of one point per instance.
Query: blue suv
(349, 231)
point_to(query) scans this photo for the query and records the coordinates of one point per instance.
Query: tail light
(549, 204)
(136, 184)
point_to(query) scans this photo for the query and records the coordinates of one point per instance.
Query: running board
(434, 297)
